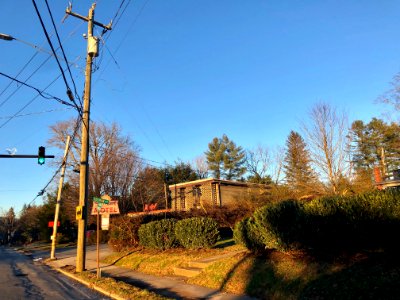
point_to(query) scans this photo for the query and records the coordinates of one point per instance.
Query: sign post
(100, 201)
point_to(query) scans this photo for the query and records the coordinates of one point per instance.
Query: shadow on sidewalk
(145, 285)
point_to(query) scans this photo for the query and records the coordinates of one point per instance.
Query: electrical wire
(34, 113)
(40, 92)
(19, 73)
(63, 52)
(116, 63)
(117, 12)
(42, 64)
(69, 93)
(43, 190)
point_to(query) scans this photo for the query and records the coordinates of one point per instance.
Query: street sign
(104, 205)
(101, 200)
(110, 208)
(79, 211)
(105, 222)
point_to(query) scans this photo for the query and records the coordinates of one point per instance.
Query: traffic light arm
(23, 156)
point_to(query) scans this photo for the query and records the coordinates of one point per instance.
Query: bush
(124, 232)
(247, 234)
(365, 221)
(331, 224)
(280, 224)
(158, 234)
(198, 232)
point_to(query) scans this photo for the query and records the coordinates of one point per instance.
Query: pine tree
(234, 159)
(369, 140)
(300, 177)
(215, 156)
(225, 159)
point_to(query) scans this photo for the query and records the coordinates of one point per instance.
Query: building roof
(388, 183)
(220, 181)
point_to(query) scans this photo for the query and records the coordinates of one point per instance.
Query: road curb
(90, 285)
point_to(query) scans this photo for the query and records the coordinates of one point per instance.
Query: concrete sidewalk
(173, 287)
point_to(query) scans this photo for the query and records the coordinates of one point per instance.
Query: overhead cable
(63, 52)
(69, 92)
(40, 92)
(42, 191)
(19, 73)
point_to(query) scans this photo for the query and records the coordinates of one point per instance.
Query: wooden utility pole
(166, 195)
(92, 51)
(60, 185)
(383, 163)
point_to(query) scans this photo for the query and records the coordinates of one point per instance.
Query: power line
(34, 113)
(40, 92)
(69, 93)
(42, 191)
(20, 86)
(63, 52)
(123, 39)
(123, 11)
(41, 65)
(19, 73)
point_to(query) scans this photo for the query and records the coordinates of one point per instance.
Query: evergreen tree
(300, 177)
(215, 156)
(181, 172)
(374, 143)
(225, 159)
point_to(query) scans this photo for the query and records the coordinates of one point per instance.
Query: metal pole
(98, 242)
(60, 185)
(84, 167)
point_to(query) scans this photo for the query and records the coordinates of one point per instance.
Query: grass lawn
(119, 288)
(162, 263)
(278, 275)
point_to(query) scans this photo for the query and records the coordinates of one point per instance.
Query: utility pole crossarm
(69, 12)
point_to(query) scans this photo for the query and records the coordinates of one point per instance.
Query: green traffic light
(41, 160)
(41, 155)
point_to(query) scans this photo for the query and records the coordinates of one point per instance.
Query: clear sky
(184, 72)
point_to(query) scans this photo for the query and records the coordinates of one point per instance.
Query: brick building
(210, 192)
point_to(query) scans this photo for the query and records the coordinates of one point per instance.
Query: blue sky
(187, 71)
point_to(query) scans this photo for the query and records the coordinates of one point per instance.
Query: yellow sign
(79, 212)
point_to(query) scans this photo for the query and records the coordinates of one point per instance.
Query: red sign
(51, 223)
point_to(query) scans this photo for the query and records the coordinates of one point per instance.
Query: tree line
(328, 156)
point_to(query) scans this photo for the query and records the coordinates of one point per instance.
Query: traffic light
(41, 155)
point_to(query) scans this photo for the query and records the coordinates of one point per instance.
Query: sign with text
(105, 222)
(110, 208)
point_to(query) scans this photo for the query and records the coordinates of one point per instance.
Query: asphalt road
(23, 278)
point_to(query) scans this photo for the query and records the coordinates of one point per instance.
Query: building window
(196, 195)
(182, 197)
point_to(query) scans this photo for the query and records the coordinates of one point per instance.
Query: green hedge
(198, 232)
(158, 234)
(366, 221)
(247, 234)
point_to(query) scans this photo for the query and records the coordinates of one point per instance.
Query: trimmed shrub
(280, 224)
(365, 221)
(198, 232)
(247, 234)
(158, 234)
(326, 225)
